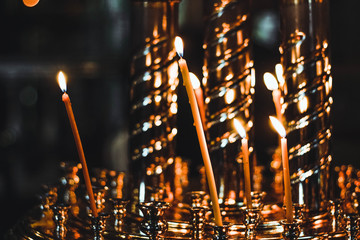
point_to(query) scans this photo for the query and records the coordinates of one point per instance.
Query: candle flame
(279, 74)
(270, 81)
(62, 81)
(239, 128)
(195, 82)
(278, 126)
(179, 46)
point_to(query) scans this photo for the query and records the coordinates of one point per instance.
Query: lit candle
(200, 132)
(245, 150)
(285, 161)
(199, 97)
(272, 84)
(66, 100)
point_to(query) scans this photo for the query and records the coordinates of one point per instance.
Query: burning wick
(199, 130)
(285, 161)
(272, 85)
(65, 98)
(245, 149)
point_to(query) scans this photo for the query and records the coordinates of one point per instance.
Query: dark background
(90, 41)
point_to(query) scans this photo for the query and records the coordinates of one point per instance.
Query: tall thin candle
(245, 149)
(200, 132)
(66, 100)
(285, 161)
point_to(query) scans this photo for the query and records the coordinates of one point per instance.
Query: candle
(66, 100)
(200, 132)
(199, 97)
(245, 150)
(285, 161)
(272, 84)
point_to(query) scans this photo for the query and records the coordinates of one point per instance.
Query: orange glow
(61, 78)
(179, 46)
(270, 81)
(278, 126)
(30, 3)
(239, 128)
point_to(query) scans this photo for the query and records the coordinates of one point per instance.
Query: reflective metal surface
(153, 95)
(307, 98)
(183, 220)
(229, 82)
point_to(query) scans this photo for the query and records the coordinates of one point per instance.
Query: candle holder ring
(291, 230)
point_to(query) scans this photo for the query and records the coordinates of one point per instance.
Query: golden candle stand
(59, 216)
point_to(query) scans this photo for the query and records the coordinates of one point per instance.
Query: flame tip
(61, 78)
(278, 126)
(239, 128)
(179, 46)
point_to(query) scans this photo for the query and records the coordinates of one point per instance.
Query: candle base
(291, 230)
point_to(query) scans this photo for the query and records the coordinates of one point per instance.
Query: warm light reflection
(173, 108)
(239, 128)
(30, 3)
(270, 81)
(195, 82)
(230, 96)
(179, 46)
(280, 74)
(303, 104)
(157, 82)
(278, 126)
(61, 78)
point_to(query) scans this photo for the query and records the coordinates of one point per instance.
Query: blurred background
(91, 42)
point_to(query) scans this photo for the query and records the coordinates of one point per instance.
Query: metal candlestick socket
(98, 225)
(119, 211)
(251, 220)
(221, 232)
(257, 198)
(197, 198)
(60, 217)
(153, 223)
(198, 221)
(291, 230)
(352, 225)
(298, 210)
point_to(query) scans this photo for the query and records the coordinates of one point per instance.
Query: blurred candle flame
(195, 82)
(270, 81)
(239, 128)
(303, 104)
(62, 81)
(179, 46)
(278, 126)
(279, 74)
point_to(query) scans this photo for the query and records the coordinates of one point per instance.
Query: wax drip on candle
(245, 150)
